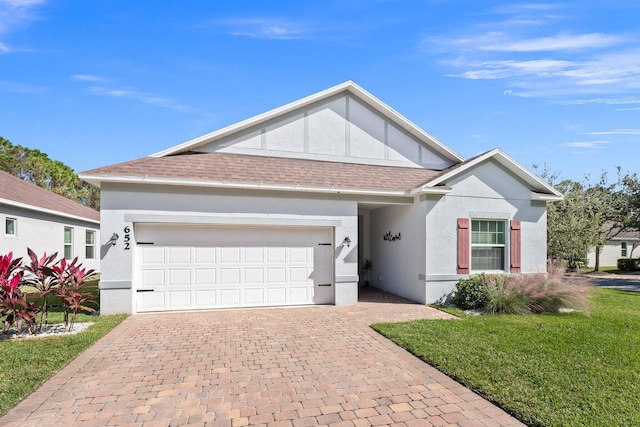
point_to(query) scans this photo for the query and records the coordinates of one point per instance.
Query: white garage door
(181, 267)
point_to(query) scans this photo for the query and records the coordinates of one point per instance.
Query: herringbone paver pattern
(305, 366)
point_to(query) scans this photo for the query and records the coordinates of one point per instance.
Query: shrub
(628, 264)
(505, 296)
(520, 294)
(63, 280)
(547, 293)
(471, 293)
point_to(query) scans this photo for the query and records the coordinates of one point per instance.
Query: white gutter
(47, 211)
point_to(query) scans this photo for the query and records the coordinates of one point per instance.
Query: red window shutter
(515, 246)
(463, 246)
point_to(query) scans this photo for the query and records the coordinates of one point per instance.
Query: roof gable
(17, 192)
(540, 189)
(344, 123)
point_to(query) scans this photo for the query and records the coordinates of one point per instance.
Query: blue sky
(93, 83)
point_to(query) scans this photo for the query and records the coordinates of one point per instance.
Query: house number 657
(127, 238)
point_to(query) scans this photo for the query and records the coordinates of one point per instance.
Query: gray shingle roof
(250, 169)
(20, 191)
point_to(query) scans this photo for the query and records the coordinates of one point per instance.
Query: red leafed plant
(40, 275)
(71, 279)
(14, 307)
(63, 280)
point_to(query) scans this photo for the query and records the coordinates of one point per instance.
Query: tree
(36, 167)
(613, 203)
(632, 189)
(589, 216)
(572, 224)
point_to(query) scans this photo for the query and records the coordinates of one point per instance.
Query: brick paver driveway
(305, 366)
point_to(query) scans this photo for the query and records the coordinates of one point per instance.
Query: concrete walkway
(308, 366)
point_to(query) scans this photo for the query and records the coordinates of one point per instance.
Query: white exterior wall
(341, 129)
(203, 206)
(486, 192)
(611, 252)
(44, 232)
(398, 264)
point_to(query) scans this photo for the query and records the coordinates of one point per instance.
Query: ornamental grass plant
(520, 294)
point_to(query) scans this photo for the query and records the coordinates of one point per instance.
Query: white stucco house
(622, 245)
(46, 222)
(285, 207)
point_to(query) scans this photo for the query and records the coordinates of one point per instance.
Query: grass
(567, 369)
(27, 363)
(607, 270)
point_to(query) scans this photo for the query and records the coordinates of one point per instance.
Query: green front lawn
(547, 370)
(27, 363)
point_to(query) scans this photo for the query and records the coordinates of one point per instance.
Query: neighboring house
(39, 219)
(284, 208)
(622, 245)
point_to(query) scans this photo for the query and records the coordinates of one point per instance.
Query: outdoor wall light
(347, 241)
(112, 241)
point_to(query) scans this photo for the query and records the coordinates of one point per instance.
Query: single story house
(285, 207)
(622, 245)
(46, 222)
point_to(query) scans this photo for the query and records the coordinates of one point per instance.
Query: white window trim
(15, 226)
(70, 244)
(505, 246)
(624, 250)
(87, 245)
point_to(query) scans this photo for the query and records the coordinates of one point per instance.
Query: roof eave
(47, 211)
(241, 185)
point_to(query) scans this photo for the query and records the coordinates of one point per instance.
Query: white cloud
(263, 28)
(616, 132)
(606, 101)
(540, 60)
(145, 97)
(87, 78)
(14, 14)
(557, 42)
(585, 144)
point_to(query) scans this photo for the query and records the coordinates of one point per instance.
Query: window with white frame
(68, 243)
(488, 245)
(10, 226)
(90, 244)
(623, 250)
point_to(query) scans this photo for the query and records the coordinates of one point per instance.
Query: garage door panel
(179, 255)
(229, 276)
(276, 255)
(204, 299)
(214, 267)
(204, 277)
(253, 276)
(180, 277)
(276, 296)
(229, 255)
(152, 301)
(299, 254)
(254, 296)
(276, 275)
(230, 297)
(298, 295)
(153, 255)
(152, 278)
(299, 274)
(254, 255)
(179, 300)
(205, 255)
